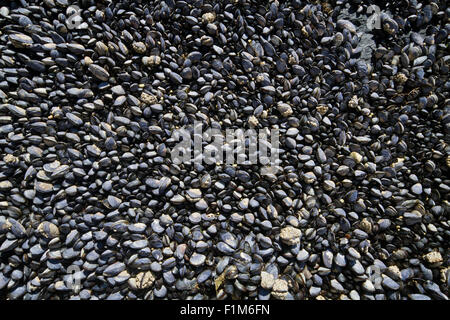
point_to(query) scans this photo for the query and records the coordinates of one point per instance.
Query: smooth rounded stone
(204, 275)
(417, 189)
(76, 48)
(309, 177)
(343, 170)
(60, 172)
(434, 290)
(92, 256)
(354, 295)
(346, 24)
(100, 235)
(139, 244)
(384, 224)
(6, 129)
(280, 289)
(357, 267)
(340, 260)
(193, 195)
(51, 167)
(368, 286)
(4, 12)
(352, 196)
(156, 227)
(36, 250)
(114, 202)
(137, 227)
(243, 176)
(197, 259)
(249, 218)
(180, 251)
(302, 255)
(107, 186)
(177, 199)
(143, 280)
(93, 150)
(119, 101)
(205, 181)
(406, 274)
(354, 253)
(5, 185)
(195, 218)
(362, 174)
(70, 253)
(20, 40)
(201, 205)
(114, 269)
(267, 280)
(390, 284)
(166, 220)
(118, 90)
(37, 66)
(336, 285)
(329, 185)
(8, 245)
(290, 235)
(3, 281)
(356, 156)
(314, 291)
(418, 296)
(243, 204)
(155, 267)
(225, 248)
(115, 296)
(432, 228)
(176, 78)
(43, 187)
(219, 185)
(17, 111)
(17, 292)
(98, 72)
(327, 258)
(110, 143)
(185, 284)
(229, 239)
(80, 93)
(268, 89)
(413, 217)
(161, 292)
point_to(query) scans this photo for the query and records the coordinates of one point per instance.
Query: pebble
(143, 280)
(280, 289)
(417, 189)
(290, 235)
(197, 259)
(390, 284)
(433, 257)
(98, 72)
(114, 269)
(267, 280)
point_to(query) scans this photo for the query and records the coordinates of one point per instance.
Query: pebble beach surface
(92, 206)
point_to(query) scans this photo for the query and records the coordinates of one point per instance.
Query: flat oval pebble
(197, 259)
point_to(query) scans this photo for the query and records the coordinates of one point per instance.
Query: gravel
(94, 205)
